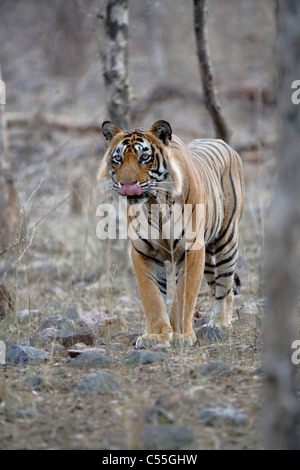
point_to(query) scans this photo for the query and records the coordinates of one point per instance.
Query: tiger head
(140, 163)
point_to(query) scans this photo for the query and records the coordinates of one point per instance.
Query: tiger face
(138, 162)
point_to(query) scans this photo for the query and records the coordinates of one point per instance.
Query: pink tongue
(130, 189)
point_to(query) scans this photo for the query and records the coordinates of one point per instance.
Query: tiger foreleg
(151, 277)
(184, 303)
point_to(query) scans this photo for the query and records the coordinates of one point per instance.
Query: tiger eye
(117, 158)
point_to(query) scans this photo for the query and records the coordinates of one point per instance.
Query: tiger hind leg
(219, 273)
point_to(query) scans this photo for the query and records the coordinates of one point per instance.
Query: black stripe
(162, 285)
(155, 260)
(223, 296)
(184, 229)
(220, 248)
(231, 273)
(142, 239)
(224, 261)
(209, 265)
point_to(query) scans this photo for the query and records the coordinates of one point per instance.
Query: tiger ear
(162, 130)
(110, 130)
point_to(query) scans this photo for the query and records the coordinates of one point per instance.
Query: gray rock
(57, 321)
(91, 359)
(145, 356)
(199, 322)
(211, 368)
(64, 320)
(210, 416)
(29, 412)
(70, 337)
(165, 437)
(33, 381)
(25, 355)
(70, 313)
(209, 333)
(97, 382)
(26, 313)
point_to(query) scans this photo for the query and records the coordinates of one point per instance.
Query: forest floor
(69, 294)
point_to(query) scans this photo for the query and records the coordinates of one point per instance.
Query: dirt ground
(62, 265)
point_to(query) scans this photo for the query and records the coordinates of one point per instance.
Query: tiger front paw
(184, 339)
(148, 340)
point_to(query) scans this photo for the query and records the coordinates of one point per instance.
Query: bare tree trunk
(116, 62)
(206, 71)
(117, 97)
(281, 410)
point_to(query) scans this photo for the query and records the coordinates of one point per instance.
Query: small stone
(165, 437)
(25, 355)
(209, 333)
(34, 381)
(97, 382)
(70, 337)
(26, 313)
(29, 412)
(145, 356)
(91, 359)
(80, 348)
(210, 416)
(211, 368)
(58, 322)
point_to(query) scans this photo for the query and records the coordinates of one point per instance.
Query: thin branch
(206, 71)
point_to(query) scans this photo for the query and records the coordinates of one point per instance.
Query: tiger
(154, 168)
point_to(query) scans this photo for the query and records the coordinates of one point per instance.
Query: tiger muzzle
(130, 189)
